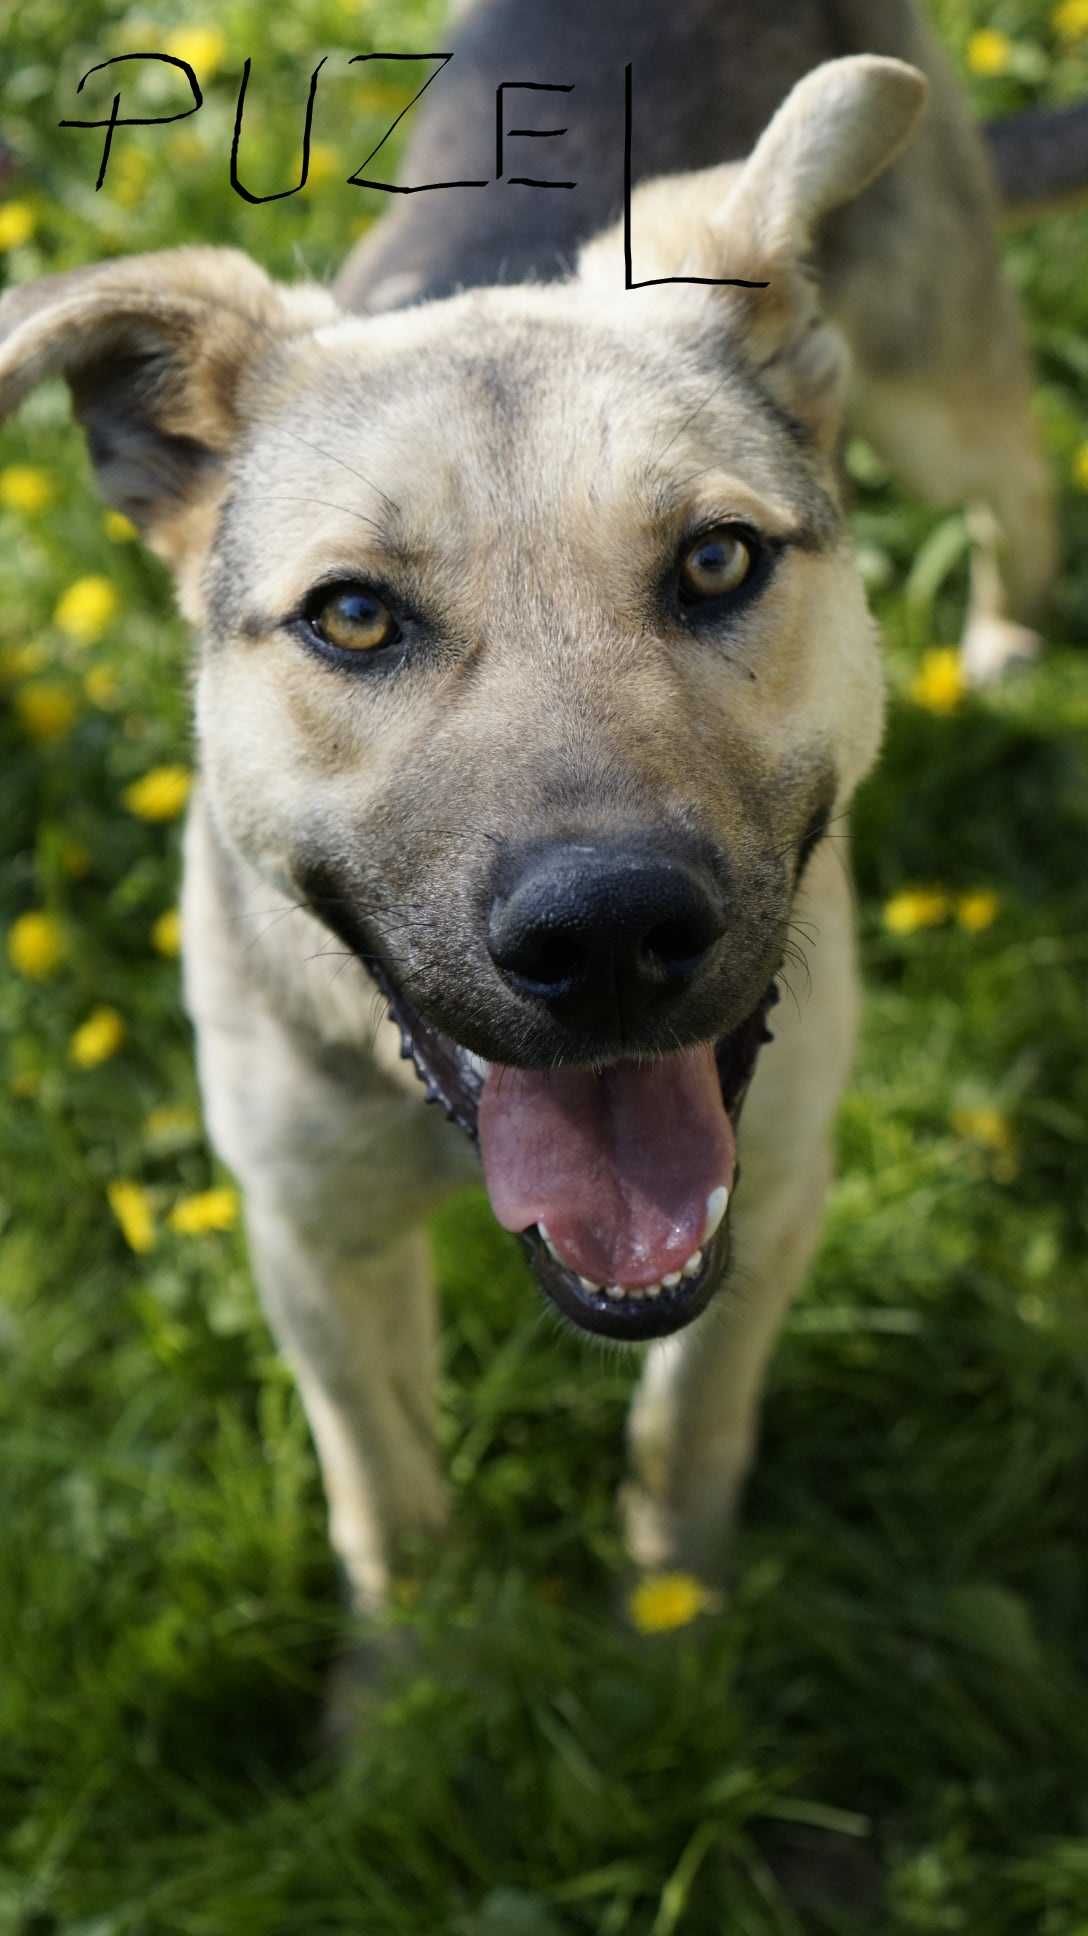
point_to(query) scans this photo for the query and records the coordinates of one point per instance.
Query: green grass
(886, 1729)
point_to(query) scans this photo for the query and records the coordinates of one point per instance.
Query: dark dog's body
(707, 77)
(599, 675)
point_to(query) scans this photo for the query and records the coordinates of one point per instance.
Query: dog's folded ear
(759, 221)
(158, 351)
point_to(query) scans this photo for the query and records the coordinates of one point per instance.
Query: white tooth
(715, 1211)
(651, 1290)
(671, 1281)
(542, 1230)
(588, 1284)
(614, 1290)
(694, 1265)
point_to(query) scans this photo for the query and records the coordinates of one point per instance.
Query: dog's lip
(453, 1078)
(632, 1318)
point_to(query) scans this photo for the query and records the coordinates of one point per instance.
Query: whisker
(332, 458)
(688, 420)
(264, 497)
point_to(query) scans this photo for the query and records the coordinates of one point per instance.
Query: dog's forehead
(531, 398)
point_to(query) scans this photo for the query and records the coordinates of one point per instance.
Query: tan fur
(524, 462)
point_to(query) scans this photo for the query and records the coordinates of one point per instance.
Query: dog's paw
(992, 646)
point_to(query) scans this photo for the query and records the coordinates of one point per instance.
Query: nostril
(677, 946)
(532, 948)
(551, 961)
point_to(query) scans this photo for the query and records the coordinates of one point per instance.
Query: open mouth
(618, 1180)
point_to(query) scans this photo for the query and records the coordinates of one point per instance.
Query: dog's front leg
(339, 1172)
(360, 1334)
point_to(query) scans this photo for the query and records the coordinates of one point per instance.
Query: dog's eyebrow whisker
(688, 420)
(692, 477)
(326, 504)
(332, 457)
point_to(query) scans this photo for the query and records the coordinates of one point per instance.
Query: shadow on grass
(984, 796)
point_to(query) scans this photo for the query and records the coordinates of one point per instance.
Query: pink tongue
(617, 1166)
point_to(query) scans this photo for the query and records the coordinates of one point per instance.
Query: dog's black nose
(596, 929)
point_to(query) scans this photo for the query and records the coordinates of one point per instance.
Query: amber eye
(352, 619)
(715, 565)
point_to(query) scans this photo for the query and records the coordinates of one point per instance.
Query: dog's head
(534, 658)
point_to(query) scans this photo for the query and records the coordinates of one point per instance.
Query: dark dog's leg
(965, 433)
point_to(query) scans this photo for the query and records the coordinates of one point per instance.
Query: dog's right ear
(157, 351)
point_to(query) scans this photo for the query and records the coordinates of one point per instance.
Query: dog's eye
(352, 618)
(717, 563)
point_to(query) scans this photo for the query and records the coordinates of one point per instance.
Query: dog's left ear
(760, 220)
(163, 355)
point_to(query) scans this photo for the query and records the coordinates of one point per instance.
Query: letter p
(117, 120)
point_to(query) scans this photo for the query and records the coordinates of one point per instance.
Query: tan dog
(534, 667)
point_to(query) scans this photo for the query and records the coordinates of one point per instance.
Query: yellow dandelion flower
(978, 910)
(36, 945)
(97, 1039)
(75, 859)
(324, 162)
(47, 711)
(989, 51)
(916, 907)
(1070, 19)
(1080, 468)
(990, 1130)
(17, 224)
(131, 1205)
(985, 1125)
(166, 933)
(21, 661)
(170, 1119)
(668, 1600)
(85, 610)
(202, 47)
(23, 488)
(119, 528)
(101, 685)
(161, 793)
(939, 684)
(208, 1210)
